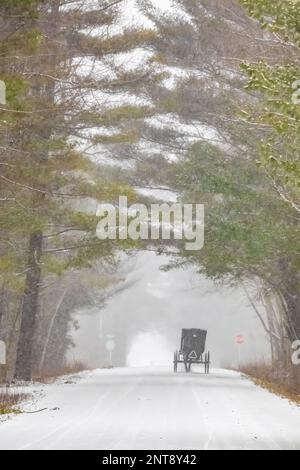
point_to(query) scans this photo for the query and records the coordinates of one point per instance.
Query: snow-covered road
(154, 409)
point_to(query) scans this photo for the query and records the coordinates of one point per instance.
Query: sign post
(110, 347)
(239, 340)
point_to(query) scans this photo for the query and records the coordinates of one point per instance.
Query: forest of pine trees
(210, 117)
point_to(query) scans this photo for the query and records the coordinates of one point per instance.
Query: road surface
(154, 409)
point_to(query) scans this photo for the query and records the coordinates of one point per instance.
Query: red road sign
(239, 339)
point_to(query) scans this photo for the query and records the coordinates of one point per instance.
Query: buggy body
(192, 350)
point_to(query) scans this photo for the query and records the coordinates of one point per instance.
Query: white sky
(163, 4)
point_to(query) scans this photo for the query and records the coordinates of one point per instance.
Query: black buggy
(192, 350)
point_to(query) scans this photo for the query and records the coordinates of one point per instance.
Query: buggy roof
(193, 340)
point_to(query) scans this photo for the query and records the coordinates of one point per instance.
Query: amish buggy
(192, 350)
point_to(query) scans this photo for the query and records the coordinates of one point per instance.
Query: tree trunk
(29, 310)
(24, 363)
(3, 368)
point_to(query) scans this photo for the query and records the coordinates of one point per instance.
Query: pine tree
(278, 87)
(54, 111)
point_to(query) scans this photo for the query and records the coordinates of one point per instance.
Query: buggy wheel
(207, 363)
(175, 362)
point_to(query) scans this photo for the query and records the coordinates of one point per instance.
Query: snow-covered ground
(154, 409)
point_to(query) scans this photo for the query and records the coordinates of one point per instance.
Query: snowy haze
(147, 319)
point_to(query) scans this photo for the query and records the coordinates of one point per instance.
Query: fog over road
(152, 408)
